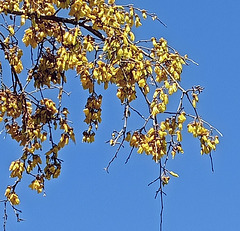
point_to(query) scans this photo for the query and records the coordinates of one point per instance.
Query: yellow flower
(182, 117)
(173, 153)
(23, 20)
(174, 174)
(11, 30)
(165, 179)
(137, 22)
(144, 14)
(155, 110)
(128, 137)
(7, 192)
(216, 140)
(179, 136)
(13, 198)
(132, 36)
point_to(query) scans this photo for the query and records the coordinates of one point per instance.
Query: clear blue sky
(86, 198)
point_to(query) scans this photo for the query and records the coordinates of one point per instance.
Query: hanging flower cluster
(92, 113)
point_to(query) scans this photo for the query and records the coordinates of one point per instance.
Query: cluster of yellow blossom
(152, 143)
(64, 140)
(17, 168)
(38, 7)
(72, 53)
(170, 125)
(14, 130)
(63, 4)
(64, 125)
(36, 159)
(208, 142)
(88, 136)
(39, 30)
(10, 104)
(92, 113)
(126, 83)
(160, 51)
(31, 135)
(31, 37)
(37, 184)
(88, 43)
(194, 99)
(9, 5)
(46, 74)
(159, 103)
(169, 64)
(52, 170)
(80, 9)
(177, 148)
(86, 80)
(104, 73)
(12, 196)
(175, 68)
(46, 112)
(181, 119)
(173, 127)
(68, 133)
(13, 105)
(161, 74)
(130, 74)
(13, 54)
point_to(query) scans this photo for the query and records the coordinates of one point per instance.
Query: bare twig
(128, 158)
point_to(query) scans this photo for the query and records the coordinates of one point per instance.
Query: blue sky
(85, 197)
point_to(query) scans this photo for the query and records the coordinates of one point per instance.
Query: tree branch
(55, 18)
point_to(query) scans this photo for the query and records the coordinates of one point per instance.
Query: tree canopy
(41, 41)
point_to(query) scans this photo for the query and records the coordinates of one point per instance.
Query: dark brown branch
(55, 18)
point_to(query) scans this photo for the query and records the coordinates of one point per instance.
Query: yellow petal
(174, 174)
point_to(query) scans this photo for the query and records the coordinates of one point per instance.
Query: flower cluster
(36, 160)
(92, 113)
(208, 142)
(160, 101)
(10, 104)
(13, 54)
(67, 134)
(152, 143)
(52, 170)
(37, 184)
(17, 169)
(45, 74)
(12, 196)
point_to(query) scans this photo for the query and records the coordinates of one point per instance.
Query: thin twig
(128, 158)
(161, 195)
(114, 157)
(211, 160)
